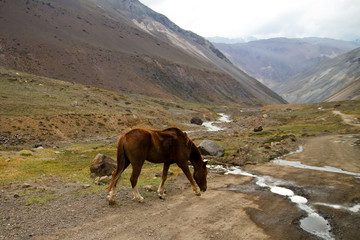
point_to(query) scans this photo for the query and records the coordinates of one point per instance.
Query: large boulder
(196, 120)
(208, 147)
(102, 166)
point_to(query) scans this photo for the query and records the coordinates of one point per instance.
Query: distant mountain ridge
(334, 80)
(121, 45)
(273, 61)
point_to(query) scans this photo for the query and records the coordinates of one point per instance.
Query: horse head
(200, 173)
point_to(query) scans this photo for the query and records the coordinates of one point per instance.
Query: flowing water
(213, 128)
(298, 164)
(313, 223)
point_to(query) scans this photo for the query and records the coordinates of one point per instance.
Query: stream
(213, 128)
(313, 223)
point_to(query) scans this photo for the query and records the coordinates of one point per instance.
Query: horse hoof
(141, 200)
(198, 194)
(162, 197)
(112, 202)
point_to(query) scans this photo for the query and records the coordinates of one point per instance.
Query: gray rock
(208, 147)
(258, 129)
(196, 120)
(102, 165)
(150, 188)
(26, 185)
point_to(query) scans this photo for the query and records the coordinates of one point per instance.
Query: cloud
(263, 18)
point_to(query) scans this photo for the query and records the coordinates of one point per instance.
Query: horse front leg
(186, 170)
(163, 179)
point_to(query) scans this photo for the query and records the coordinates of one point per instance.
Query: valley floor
(234, 207)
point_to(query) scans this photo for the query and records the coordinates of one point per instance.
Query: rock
(7, 160)
(74, 103)
(258, 129)
(208, 147)
(16, 195)
(196, 120)
(85, 186)
(102, 165)
(26, 185)
(150, 188)
(275, 144)
(102, 180)
(245, 149)
(267, 146)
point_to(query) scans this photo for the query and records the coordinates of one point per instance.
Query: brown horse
(168, 146)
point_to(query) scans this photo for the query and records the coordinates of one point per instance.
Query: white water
(298, 164)
(353, 209)
(212, 128)
(312, 223)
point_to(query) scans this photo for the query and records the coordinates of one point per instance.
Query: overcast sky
(338, 19)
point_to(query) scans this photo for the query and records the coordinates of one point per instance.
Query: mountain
(332, 80)
(273, 61)
(121, 45)
(230, 40)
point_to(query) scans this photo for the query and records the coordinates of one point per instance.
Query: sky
(338, 19)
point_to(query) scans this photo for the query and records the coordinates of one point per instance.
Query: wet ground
(323, 180)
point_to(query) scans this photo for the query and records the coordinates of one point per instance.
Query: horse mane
(195, 155)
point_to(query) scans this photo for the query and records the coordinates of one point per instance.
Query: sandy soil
(234, 207)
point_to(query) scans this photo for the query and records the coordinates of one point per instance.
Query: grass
(69, 164)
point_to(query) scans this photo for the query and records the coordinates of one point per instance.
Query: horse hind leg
(112, 187)
(163, 179)
(133, 179)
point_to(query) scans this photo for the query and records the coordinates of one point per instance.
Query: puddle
(312, 223)
(315, 224)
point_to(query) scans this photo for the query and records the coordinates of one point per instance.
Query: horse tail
(121, 158)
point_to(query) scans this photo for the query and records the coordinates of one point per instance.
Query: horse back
(169, 145)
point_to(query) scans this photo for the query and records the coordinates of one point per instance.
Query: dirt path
(214, 215)
(348, 119)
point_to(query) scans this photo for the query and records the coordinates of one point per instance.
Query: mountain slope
(335, 79)
(273, 61)
(120, 45)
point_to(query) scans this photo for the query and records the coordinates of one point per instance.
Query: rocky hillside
(120, 45)
(273, 61)
(332, 80)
